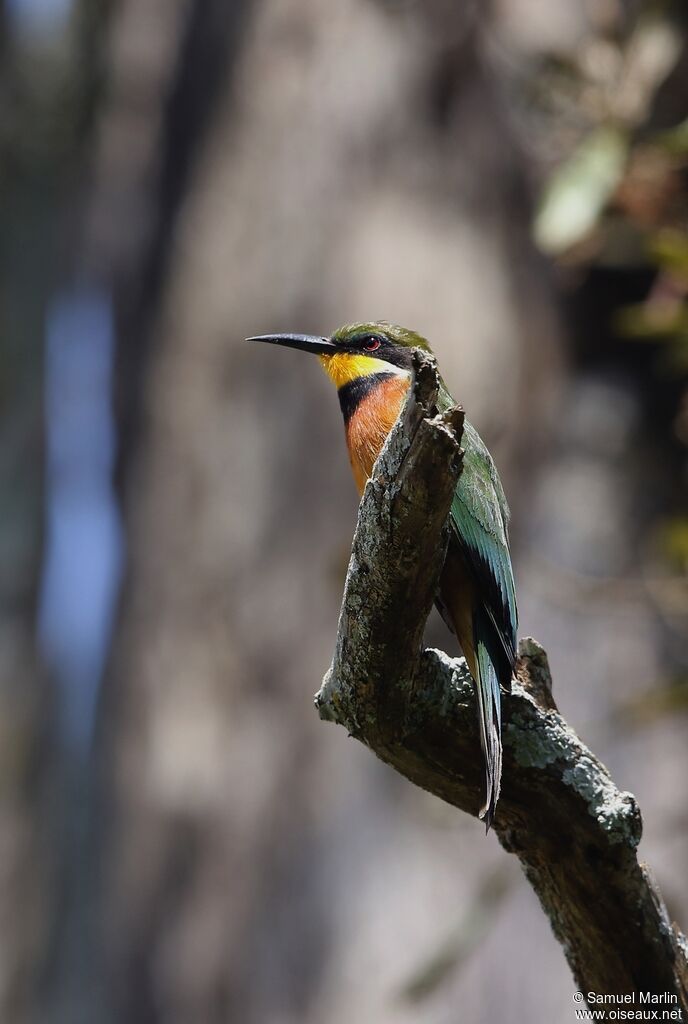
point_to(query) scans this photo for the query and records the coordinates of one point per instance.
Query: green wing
(479, 518)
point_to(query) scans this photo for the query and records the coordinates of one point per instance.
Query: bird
(370, 365)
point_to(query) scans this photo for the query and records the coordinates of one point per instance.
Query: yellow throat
(344, 367)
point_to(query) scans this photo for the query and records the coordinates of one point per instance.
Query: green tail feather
(489, 709)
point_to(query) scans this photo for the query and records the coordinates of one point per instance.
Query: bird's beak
(305, 342)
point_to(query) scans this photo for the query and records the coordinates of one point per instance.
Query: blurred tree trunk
(50, 85)
(26, 890)
(27, 750)
(219, 838)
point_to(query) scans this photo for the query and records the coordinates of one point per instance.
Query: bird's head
(357, 350)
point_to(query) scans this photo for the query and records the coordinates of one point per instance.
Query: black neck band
(352, 394)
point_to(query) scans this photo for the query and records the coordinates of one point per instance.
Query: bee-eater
(371, 367)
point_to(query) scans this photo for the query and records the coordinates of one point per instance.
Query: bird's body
(370, 365)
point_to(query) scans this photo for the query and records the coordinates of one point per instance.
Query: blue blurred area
(37, 17)
(83, 558)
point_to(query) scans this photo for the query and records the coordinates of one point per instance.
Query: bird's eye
(371, 343)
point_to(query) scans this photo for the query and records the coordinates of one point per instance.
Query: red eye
(371, 343)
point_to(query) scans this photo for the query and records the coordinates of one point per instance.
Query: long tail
(489, 658)
(489, 662)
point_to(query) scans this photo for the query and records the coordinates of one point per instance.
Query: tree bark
(574, 832)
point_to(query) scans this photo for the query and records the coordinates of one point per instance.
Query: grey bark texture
(574, 832)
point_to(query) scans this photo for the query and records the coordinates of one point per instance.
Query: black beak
(305, 342)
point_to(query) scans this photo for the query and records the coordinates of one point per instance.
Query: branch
(559, 811)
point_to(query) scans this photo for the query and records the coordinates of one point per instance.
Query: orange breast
(367, 430)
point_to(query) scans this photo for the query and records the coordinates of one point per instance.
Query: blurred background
(181, 840)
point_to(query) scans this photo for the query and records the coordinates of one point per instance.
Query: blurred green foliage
(616, 198)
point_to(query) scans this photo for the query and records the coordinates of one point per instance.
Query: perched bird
(371, 367)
